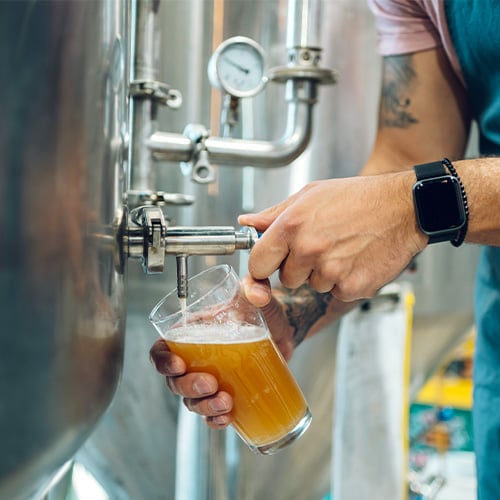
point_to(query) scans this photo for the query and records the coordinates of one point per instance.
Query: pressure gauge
(237, 67)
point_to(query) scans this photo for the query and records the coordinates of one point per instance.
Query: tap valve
(145, 237)
(149, 238)
(209, 240)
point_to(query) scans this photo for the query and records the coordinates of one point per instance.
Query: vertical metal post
(303, 24)
(145, 38)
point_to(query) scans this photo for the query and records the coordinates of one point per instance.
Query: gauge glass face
(240, 68)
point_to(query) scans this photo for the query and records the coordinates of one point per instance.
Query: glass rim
(158, 306)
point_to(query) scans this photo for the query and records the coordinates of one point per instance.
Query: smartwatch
(439, 204)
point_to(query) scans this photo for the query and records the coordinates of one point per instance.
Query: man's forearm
(481, 180)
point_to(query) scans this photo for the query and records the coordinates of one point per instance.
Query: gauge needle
(238, 66)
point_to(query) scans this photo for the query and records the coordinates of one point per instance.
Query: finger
(294, 272)
(219, 421)
(219, 404)
(268, 253)
(257, 292)
(165, 361)
(317, 281)
(193, 385)
(282, 336)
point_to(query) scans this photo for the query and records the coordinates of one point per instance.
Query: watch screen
(438, 207)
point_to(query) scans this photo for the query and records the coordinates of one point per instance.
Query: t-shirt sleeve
(403, 26)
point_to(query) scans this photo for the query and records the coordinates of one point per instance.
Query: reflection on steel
(61, 176)
(303, 24)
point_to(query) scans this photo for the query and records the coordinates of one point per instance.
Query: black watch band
(429, 170)
(439, 204)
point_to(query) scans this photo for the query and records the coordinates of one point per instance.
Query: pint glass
(219, 332)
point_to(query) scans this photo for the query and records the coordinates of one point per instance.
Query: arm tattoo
(303, 307)
(398, 81)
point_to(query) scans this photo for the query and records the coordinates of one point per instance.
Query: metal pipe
(303, 23)
(170, 146)
(208, 240)
(241, 152)
(290, 146)
(182, 276)
(143, 110)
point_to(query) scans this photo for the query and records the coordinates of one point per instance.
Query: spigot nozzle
(182, 276)
(211, 240)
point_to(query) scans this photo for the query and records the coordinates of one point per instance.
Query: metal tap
(149, 239)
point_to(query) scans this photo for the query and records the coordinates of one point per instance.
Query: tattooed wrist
(303, 307)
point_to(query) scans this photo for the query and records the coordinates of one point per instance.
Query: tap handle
(208, 240)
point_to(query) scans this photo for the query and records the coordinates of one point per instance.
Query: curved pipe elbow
(277, 153)
(242, 152)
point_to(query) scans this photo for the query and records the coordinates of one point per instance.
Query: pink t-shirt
(411, 25)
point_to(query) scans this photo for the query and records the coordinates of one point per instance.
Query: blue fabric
(486, 411)
(475, 31)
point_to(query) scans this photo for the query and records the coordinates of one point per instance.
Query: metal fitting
(149, 239)
(158, 92)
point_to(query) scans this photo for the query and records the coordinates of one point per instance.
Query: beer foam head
(210, 334)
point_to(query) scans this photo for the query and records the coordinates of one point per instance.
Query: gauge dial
(237, 67)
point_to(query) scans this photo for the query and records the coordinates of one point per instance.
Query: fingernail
(216, 405)
(201, 386)
(172, 368)
(220, 420)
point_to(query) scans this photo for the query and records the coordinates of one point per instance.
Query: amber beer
(269, 408)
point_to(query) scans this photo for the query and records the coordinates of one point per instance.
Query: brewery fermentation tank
(62, 177)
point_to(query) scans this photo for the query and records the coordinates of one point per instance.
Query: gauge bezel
(218, 80)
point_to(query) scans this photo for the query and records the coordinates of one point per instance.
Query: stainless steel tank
(62, 120)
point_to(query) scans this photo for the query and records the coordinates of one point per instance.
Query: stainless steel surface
(182, 275)
(62, 127)
(304, 23)
(208, 240)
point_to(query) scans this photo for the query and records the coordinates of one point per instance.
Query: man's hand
(200, 391)
(349, 236)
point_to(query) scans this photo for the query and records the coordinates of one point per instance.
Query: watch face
(438, 204)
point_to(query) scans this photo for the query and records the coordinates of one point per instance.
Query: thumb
(257, 292)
